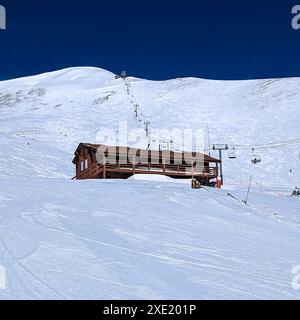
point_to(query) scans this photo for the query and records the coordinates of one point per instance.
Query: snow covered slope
(55, 111)
(63, 240)
(146, 239)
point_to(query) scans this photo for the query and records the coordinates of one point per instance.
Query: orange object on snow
(219, 180)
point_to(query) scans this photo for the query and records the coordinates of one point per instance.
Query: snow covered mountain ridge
(55, 111)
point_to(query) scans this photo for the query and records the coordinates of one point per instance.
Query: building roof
(187, 155)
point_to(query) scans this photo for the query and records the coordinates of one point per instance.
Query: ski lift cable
(266, 145)
(271, 145)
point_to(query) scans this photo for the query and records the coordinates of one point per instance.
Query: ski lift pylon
(124, 74)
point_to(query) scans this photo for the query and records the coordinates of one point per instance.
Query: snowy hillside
(56, 111)
(147, 239)
(60, 239)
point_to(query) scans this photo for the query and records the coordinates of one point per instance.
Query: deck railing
(168, 169)
(159, 168)
(90, 173)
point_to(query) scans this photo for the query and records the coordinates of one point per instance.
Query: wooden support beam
(89, 163)
(192, 163)
(104, 167)
(133, 165)
(78, 169)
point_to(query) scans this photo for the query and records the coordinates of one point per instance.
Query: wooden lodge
(95, 161)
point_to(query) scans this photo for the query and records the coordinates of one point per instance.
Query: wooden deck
(183, 171)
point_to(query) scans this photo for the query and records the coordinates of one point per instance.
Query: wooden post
(192, 170)
(78, 168)
(133, 164)
(104, 167)
(97, 171)
(164, 166)
(90, 166)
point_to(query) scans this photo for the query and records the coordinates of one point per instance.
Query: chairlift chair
(256, 158)
(232, 154)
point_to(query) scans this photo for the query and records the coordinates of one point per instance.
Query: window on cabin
(82, 165)
(86, 164)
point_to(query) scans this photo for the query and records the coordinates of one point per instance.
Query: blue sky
(152, 39)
